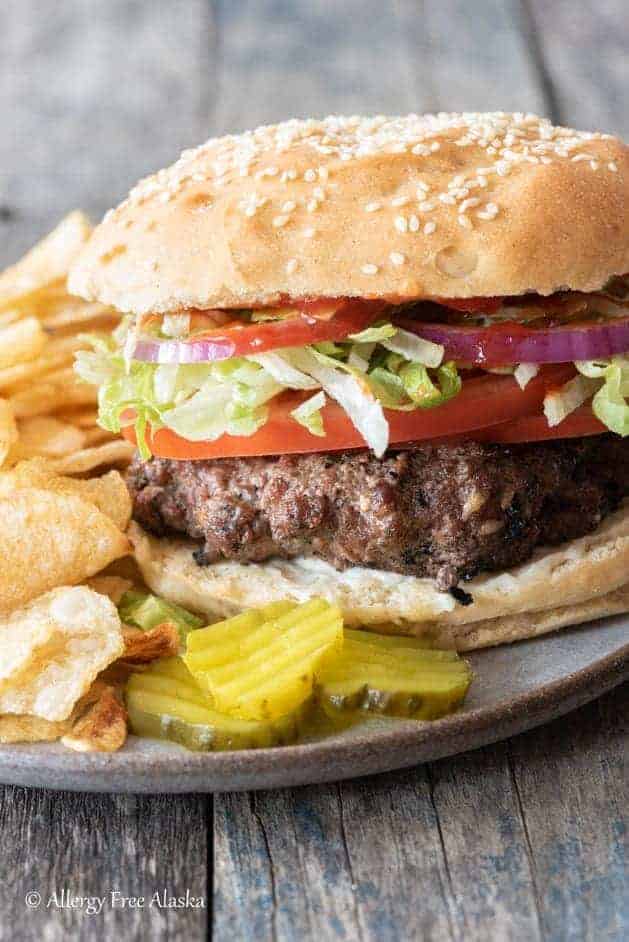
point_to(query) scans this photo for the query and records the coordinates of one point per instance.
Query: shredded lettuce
(380, 367)
(610, 403)
(559, 403)
(309, 415)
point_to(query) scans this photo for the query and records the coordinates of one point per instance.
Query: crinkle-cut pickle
(376, 674)
(261, 665)
(164, 702)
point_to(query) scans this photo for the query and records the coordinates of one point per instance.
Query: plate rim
(333, 758)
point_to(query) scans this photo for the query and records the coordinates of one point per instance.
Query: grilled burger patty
(443, 511)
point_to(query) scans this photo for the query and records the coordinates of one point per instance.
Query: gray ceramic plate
(516, 687)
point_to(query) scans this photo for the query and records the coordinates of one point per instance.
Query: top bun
(447, 205)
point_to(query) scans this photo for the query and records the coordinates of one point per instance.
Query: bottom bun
(558, 586)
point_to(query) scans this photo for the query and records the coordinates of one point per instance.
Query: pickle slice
(261, 665)
(380, 675)
(165, 702)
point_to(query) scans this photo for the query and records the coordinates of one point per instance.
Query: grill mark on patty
(446, 512)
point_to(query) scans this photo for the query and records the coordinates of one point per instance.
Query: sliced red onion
(513, 343)
(176, 351)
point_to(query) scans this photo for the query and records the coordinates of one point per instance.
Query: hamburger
(382, 360)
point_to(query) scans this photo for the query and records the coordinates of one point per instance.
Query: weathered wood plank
(285, 58)
(93, 846)
(280, 868)
(93, 96)
(572, 778)
(471, 56)
(584, 47)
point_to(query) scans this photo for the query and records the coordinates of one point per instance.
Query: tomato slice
(535, 428)
(311, 323)
(483, 401)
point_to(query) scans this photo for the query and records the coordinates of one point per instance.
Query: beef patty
(443, 511)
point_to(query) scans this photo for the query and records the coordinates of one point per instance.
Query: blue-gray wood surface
(525, 840)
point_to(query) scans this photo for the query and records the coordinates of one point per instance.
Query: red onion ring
(508, 343)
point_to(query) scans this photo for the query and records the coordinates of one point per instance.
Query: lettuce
(380, 367)
(610, 403)
(309, 415)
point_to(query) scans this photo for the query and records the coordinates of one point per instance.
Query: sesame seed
(312, 205)
(250, 211)
(373, 207)
(579, 157)
(429, 228)
(435, 146)
(399, 201)
(468, 203)
(446, 198)
(464, 221)
(594, 164)
(492, 208)
(310, 176)
(397, 258)
(426, 206)
(369, 269)
(421, 189)
(308, 232)
(613, 166)
(413, 223)
(420, 150)
(279, 221)
(318, 193)
(291, 265)
(288, 206)
(400, 224)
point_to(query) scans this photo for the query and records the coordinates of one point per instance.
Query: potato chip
(21, 341)
(51, 539)
(70, 636)
(108, 493)
(114, 587)
(47, 262)
(141, 647)
(8, 430)
(44, 435)
(46, 397)
(82, 418)
(118, 452)
(97, 436)
(31, 729)
(103, 728)
(58, 354)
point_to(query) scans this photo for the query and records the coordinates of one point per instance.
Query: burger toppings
(443, 511)
(218, 376)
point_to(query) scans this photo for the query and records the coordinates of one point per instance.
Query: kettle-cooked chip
(47, 262)
(117, 452)
(47, 436)
(8, 429)
(62, 641)
(108, 493)
(31, 729)
(51, 539)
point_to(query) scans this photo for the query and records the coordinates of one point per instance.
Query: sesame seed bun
(564, 585)
(420, 206)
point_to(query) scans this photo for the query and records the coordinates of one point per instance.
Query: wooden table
(524, 840)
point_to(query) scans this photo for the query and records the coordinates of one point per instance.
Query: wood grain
(584, 48)
(92, 845)
(93, 96)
